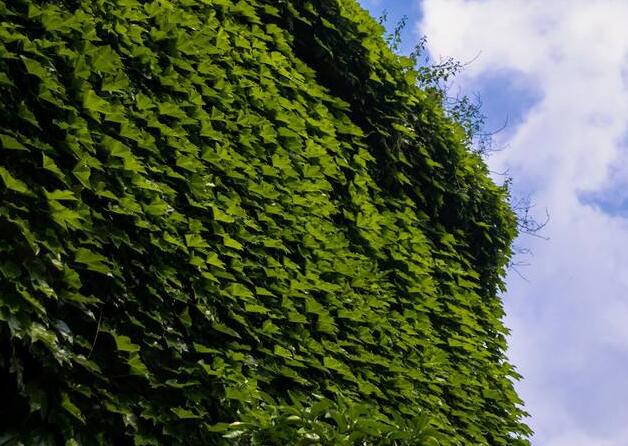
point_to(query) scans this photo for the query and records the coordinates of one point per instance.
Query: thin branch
(95, 335)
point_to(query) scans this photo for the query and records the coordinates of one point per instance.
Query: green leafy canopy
(241, 222)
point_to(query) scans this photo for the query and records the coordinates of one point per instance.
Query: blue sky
(558, 72)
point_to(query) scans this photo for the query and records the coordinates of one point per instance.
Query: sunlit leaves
(199, 240)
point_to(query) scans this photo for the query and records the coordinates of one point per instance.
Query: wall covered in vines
(229, 222)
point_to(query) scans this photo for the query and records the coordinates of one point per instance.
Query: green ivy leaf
(13, 183)
(10, 143)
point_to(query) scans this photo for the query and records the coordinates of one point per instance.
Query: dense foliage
(240, 222)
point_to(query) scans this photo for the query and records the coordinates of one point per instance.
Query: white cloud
(570, 320)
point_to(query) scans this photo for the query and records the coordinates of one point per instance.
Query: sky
(557, 72)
